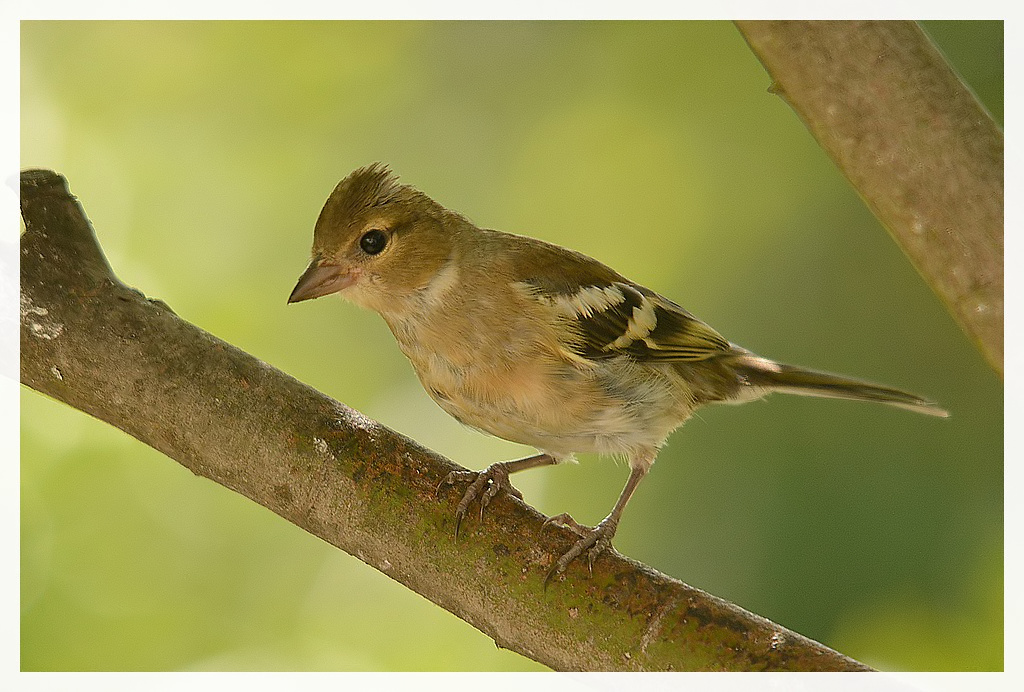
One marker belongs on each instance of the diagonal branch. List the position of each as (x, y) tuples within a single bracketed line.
[(104, 348), (913, 140)]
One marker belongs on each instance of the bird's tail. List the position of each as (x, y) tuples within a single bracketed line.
[(763, 373)]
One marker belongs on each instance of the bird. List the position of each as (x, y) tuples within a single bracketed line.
[(536, 343)]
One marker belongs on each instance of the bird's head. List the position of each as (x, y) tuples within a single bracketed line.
[(376, 241)]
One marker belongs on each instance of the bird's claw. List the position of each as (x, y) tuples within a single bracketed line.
[(568, 522), (593, 541), (486, 484)]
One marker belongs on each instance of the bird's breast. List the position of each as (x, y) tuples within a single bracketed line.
[(524, 390)]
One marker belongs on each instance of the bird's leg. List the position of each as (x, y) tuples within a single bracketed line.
[(598, 538), (489, 482)]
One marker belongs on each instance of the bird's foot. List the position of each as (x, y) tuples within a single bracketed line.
[(485, 484), (592, 540)]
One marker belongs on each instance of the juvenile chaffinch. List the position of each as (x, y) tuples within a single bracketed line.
[(535, 343)]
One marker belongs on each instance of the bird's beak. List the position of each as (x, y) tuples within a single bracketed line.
[(321, 279)]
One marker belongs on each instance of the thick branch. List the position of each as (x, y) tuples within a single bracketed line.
[(102, 347), (913, 140)]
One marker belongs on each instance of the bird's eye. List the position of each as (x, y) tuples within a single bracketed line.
[(373, 242)]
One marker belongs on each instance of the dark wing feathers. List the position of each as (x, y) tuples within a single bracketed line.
[(602, 328), (622, 318), (681, 336), (612, 315), (648, 328)]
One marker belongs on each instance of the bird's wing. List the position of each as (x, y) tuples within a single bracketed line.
[(611, 315), (623, 318)]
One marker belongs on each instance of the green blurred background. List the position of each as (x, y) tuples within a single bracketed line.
[(203, 152)]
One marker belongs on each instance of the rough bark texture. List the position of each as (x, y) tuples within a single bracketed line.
[(915, 143), (102, 347)]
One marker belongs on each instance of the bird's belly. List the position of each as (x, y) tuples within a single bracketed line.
[(554, 407)]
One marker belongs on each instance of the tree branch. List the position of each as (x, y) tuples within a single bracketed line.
[(913, 140), (104, 348)]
